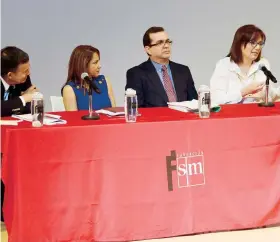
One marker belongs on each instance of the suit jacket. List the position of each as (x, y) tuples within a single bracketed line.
[(14, 104), (149, 88)]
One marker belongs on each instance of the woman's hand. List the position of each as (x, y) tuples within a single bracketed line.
[(252, 88)]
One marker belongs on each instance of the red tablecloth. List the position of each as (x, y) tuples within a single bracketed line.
[(169, 174)]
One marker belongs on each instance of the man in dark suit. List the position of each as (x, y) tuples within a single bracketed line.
[(16, 87), (159, 80)]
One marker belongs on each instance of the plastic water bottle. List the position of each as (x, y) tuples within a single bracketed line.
[(130, 105), (37, 109), (204, 101)]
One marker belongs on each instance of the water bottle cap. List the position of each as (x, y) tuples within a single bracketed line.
[(37, 95), (130, 91)]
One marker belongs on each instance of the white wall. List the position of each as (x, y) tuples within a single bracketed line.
[(202, 31)]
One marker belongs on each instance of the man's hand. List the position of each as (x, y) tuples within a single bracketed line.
[(27, 95)]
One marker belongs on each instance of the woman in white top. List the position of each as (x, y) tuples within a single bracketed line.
[(237, 78)]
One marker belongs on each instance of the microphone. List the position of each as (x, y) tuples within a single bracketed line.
[(92, 115), (267, 73), (91, 83)]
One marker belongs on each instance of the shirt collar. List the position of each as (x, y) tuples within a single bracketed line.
[(5, 84), (159, 66), (235, 68)]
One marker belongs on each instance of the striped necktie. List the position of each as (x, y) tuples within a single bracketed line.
[(168, 85)]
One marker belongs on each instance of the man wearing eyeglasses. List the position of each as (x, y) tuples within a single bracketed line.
[(159, 80)]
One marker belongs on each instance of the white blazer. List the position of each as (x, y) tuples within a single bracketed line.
[(227, 81)]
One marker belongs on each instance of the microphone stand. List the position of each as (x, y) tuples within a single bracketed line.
[(92, 115), (266, 103)]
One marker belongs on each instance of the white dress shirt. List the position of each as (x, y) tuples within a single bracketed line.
[(227, 82), (6, 86)]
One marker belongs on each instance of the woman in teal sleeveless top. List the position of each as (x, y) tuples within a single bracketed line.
[(85, 58)]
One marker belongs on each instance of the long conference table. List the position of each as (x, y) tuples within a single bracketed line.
[(169, 174)]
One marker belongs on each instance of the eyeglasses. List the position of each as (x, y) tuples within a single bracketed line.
[(254, 44), (162, 43)]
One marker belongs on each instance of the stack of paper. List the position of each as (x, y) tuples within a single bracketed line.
[(187, 106), (112, 111), (10, 122), (49, 119)]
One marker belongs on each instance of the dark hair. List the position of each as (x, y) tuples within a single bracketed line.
[(243, 36), (79, 61), (11, 58), (152, 30)]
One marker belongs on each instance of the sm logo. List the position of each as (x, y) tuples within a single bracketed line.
[(186, 169)]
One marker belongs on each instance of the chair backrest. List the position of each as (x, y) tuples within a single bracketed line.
[(57, 104)]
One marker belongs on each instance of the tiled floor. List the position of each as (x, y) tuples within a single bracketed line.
[(271, 234), (4, 237), (257, 235)]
